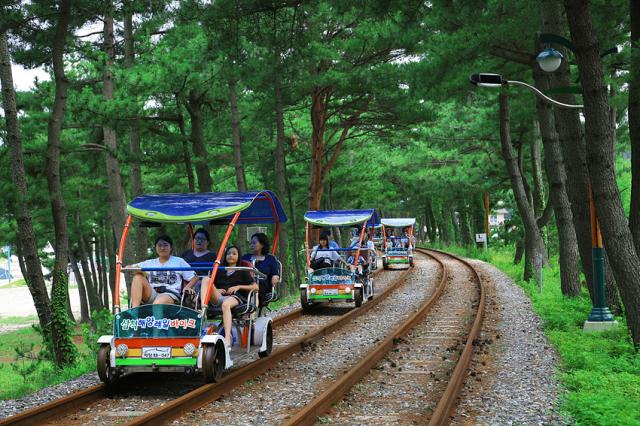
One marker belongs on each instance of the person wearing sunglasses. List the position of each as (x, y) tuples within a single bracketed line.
[(165, 286), (201, 253)]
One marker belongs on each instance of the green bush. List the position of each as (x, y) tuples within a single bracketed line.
[(601, 370)]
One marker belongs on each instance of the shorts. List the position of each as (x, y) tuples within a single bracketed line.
[(154, 296), (222, 298)]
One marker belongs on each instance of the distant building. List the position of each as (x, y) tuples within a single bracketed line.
[(500, 216)]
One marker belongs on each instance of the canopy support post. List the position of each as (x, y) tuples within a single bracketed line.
[(123, 242)]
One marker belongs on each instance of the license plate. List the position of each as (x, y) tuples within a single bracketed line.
[(156, 352), (330, 291)]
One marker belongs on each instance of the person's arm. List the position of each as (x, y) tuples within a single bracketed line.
[(253, 286), (189, 288)]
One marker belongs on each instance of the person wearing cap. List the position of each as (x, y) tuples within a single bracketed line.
[(164, 286)]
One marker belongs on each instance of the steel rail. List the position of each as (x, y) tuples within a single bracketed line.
[(213, 391), (84, 397), (441, 415), (334, 393), (444, 409)]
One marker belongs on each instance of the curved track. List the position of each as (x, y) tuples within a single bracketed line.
[(356, 411), (301, 331)]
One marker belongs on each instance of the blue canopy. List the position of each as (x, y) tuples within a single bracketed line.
[(256, 207), (399, 222), (341, 217)]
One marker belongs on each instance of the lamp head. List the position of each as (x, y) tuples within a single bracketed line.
[(549, 59), (487, 80)]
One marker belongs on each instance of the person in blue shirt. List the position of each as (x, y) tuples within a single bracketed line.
[(265, 263)]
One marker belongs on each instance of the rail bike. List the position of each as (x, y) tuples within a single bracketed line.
[(334, 273), (178, 337), (398, 241)]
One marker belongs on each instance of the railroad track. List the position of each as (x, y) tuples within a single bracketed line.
[(385, 403), (208, 392)]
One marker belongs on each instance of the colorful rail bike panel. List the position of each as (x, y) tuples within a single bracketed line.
[(331, 283), (397, 255), (157, 321)]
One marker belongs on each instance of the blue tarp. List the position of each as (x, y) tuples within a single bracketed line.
[(255, 206)]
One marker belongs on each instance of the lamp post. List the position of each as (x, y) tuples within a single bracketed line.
[(600, 317)]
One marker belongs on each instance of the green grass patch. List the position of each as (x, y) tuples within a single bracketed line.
[(14, 385), (601, 371)]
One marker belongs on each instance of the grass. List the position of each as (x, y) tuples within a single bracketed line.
[(600, 371), (13, 385), (18, 320)]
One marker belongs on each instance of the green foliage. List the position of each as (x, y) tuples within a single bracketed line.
[(601, 371), (102, 324), (27, 360)]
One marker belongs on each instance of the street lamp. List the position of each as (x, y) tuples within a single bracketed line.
[(600, 317), (496, 80), (549, 60)]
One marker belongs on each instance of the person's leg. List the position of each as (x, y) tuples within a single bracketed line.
[(164, 299), (227, 305), (140, 289), (215, 294)]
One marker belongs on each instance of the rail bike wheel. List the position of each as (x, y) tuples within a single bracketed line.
[(104, 367), (411, 261), (306, 307), (371, 289), (213, 362), (266, 352), (358, 296), (385, 265)]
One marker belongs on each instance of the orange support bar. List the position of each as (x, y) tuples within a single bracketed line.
[(193, 242), (216, 264), (384, 237), (355, 262), (123, 242)]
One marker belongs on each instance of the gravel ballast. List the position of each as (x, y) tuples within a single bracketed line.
[(511, 381)]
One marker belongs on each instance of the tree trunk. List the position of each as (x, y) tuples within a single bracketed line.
[(26, 240), (91, 288), (64, 349), (103, 267), (137, 188), (194, 107), (110, 251), (280, 159), (84, 309), (568, 245), (432, 220), (90, 252), (464, 225), (534, 245), (296, 242), (456, 227), (634, 121), (570, 134), (536, 171), (445, 234), (186, 155), (616, 234), (116, 192), (241, 179)]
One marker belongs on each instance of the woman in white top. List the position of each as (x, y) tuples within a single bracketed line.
[(161, 287), (324, 259)]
